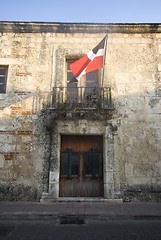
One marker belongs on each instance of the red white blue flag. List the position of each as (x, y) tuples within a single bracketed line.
[(90, 62)]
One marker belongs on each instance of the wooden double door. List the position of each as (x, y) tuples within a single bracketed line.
[(81, 166)]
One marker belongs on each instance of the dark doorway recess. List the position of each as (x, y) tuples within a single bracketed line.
[(81, 166)]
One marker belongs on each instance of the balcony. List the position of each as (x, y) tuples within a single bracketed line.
[(80, 101), (83, 97)]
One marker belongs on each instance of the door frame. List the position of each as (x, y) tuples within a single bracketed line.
[(111, 179)]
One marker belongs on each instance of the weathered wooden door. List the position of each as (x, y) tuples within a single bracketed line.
[(81, 166)]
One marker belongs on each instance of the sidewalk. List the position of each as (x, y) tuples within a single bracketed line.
[(32, 210)]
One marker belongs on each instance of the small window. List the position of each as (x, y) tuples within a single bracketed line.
[(69, 71), (3, 78), (87, 85), (88, 80)]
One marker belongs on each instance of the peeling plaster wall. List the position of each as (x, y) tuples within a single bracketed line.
[(36, 59)]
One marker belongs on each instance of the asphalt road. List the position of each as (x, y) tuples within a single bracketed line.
[(80, 228)]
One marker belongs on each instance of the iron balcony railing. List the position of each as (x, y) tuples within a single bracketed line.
[(74, 97), (85, 97)]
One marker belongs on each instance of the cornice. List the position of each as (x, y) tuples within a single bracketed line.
[(49, 27)]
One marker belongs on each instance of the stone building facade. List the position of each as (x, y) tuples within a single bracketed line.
[(43, 140)]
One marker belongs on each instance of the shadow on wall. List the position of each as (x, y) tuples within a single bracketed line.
[(20, 101)]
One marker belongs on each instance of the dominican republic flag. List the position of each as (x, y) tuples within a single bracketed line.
[(90, 62)]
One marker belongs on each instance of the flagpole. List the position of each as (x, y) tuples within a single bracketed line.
[(104, 59)]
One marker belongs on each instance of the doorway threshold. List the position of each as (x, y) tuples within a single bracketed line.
[(81, 199), (87, 199)]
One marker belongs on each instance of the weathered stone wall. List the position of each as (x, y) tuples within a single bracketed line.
[(36, 60), (133, 69)]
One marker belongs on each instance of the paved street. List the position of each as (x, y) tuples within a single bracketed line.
[(90, 230), (80, 221)]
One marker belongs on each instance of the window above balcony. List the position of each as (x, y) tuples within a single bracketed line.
[(82, 90), (83, 99), (90, 79)]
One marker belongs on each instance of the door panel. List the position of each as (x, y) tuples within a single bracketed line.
[(69, 164), (81, 171), (81, 143), (93, 164), (75, 188)]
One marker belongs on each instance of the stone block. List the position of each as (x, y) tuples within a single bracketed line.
[(159, 67), (159, 48), (1, 161), (5, 138), (108, 177), (129, 169), (54, 190), (8, 163), (108, 190), (26, 138), (137, 181), (54, 177)]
